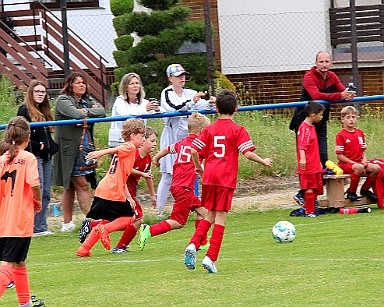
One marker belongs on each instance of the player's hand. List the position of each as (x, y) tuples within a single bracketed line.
[(303, 163), (37, 205), (94, 155), (199, 171), (268, 162), (199, 95), (131, 202), (156, 162), (154, 202), (147, 175)]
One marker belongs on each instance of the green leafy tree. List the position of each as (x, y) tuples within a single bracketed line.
[(165, 37)]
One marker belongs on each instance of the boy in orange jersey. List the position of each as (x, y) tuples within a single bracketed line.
[(350, 151), (182, 186), (113, 201), (19, 200), (221, 143)]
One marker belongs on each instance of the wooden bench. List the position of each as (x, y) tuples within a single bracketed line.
[(334, 185)]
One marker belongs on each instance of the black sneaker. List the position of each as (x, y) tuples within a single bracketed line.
[(370, 195), (299, 198), (352, 196), (37, 302)]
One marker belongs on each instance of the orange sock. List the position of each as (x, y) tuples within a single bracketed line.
[(91, 240), (20, 278), (5, 277), (119, 224)]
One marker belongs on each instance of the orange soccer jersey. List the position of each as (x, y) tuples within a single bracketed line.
[(112, 186), (16, 197)]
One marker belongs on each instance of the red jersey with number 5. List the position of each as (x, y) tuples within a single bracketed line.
[(183, 169), (222, 141)]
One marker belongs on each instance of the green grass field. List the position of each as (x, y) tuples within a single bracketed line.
[(335, 260)]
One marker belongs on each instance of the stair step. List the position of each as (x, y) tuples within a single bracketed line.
[(26, 22)]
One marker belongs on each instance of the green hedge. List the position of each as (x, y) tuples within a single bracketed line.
[(120, 7), (124, 42), (158, 4)]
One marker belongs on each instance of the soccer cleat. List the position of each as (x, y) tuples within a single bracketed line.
[(11, 285), (144, 235), (204, 247), (352, 196), (311, 215), (68, 227), (120, 250), (190, 257), (84, 230), (82, 252), (102, 232), (209, 265), (299, 198), (370, 195), (36, 301)]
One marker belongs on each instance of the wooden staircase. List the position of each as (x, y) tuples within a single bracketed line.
[(39, 54)]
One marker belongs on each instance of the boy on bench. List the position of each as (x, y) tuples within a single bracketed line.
[(350, 151)]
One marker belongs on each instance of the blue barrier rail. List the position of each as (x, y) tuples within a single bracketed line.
[(171, 114)]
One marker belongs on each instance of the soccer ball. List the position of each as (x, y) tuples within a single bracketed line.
[(283, 231)]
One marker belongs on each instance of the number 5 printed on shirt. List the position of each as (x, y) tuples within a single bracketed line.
[(221, 147)]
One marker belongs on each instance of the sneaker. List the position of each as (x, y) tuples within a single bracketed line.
[(104, 236), (144, 235), (84, 230), (313, 214), (42, 233), (209, 265), (11, 285), (36, 301), (352, 196), (82, 252), (299, 198), (119, 250), (68, 227), (317, 203), (370, 195), (204, 247), (190, 257)]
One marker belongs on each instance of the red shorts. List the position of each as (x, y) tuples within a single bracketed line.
[(312, 181), (347, 167), (215, 198), (138, 210), (185, 202)]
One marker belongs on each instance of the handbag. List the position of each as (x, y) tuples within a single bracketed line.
[(114, 137), (84, 150)]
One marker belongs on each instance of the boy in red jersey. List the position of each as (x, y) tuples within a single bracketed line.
[(221, 143), (112, 200), (182, 186), (350, 150), (19, 200), (141, 168), (308, 157)]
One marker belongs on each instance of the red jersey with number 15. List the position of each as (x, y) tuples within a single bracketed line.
[(183, 169), (222, 141)]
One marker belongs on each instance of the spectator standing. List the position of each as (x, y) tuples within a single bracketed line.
[(73, 103), (37, 109)]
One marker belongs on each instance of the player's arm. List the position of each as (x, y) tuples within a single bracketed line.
[(303, 160), (159, 155), (129, 198), (250, 155), (94, 155), (344, 159), (151, 189), (36, 198), (195, 159)]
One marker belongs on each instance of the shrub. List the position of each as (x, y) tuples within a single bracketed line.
[(120, 7), (124, 42)]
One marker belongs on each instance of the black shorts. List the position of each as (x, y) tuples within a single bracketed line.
[(14, 249), (109, 209)]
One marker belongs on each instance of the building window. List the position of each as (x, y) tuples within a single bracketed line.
[(52, 4)]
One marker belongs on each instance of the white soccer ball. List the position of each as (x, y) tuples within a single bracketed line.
[(283, 231)]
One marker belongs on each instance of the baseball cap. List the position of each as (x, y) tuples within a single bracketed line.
[(176, 70)]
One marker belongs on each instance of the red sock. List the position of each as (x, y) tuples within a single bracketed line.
[(119, 224), (354, 183), (197, 223), (5, 277), (127, 236), (369, 182), (20, 278), (215, 242), (91, 240), (94, 223), (200, 233), (160, 228), (309, 205)]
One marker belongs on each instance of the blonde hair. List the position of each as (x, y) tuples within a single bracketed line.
[(348, 110), (132, 125), (124, 85), (196, 122)]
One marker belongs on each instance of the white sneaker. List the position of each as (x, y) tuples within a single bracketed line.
[(190, 256), (42, 233), (209, 265), (68, 227)]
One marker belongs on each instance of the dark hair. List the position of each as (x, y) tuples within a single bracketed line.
[(226, 102), (16, 133), (313, 107), (68, 89)]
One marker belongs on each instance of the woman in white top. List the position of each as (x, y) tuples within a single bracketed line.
[(175, 98), (131, 101)]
